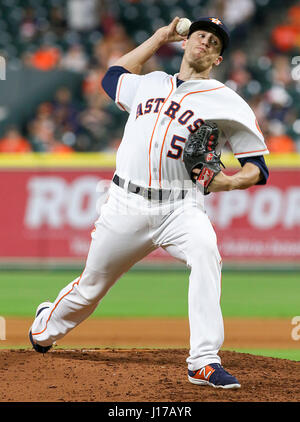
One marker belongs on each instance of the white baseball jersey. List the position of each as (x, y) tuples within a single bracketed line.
[(161, 116)]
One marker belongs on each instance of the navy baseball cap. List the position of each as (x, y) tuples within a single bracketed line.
[(214, 25)]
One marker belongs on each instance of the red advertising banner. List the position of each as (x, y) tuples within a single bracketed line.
[(49, 214), (261, 223)]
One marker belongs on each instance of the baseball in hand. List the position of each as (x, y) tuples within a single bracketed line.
[(183, 26)]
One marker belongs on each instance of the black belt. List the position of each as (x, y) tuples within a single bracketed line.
[(149, 193)]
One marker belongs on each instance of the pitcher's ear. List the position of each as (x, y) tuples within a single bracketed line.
[(183, 45), (218, 61)]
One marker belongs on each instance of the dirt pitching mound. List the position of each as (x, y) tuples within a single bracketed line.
[(138, 375)]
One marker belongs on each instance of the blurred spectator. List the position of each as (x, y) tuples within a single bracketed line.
[(279, 103), (239, 75), (65, 111), (286, 36), (281, 72), (115, 44), (29, 24), (97, 122), (294, 15), (45, 58), (42, 131), (75, 59), (236, 14), (83, 15), (260, 107), (238, 59), (13, 141), (92, 89), (57, 21), (43, 138), (278, 141), (281, 144)]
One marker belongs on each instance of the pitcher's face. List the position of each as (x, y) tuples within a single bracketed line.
[(202, 50)]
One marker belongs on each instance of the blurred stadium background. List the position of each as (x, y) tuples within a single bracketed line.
[(74, 41), (59, 133)]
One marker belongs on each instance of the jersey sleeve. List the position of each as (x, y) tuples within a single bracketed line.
[(242, 130), (246, 140), (121, 86), (127, 87), (110, 80)]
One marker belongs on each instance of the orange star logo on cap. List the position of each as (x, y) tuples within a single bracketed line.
[(216, 20)]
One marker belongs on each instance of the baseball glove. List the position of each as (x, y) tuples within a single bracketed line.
[(200, 152)]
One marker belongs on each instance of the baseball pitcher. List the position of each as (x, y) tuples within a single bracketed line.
[(168, 160)]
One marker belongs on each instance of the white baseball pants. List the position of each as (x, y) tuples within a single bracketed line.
[(128, 229)]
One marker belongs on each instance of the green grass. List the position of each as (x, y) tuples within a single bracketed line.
[(157, 293), (261, 294), (136, 294), (291, 354)]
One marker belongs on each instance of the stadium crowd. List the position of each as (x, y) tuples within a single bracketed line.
[(87, 36)]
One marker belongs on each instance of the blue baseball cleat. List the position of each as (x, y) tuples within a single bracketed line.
[(213, 375)]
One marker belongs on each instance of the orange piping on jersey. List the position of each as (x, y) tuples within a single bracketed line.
[(258, 127), (250, 152), (205, 90), (74, 284), (154, 131), (161, 151), (118, 94), (162, 147)]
